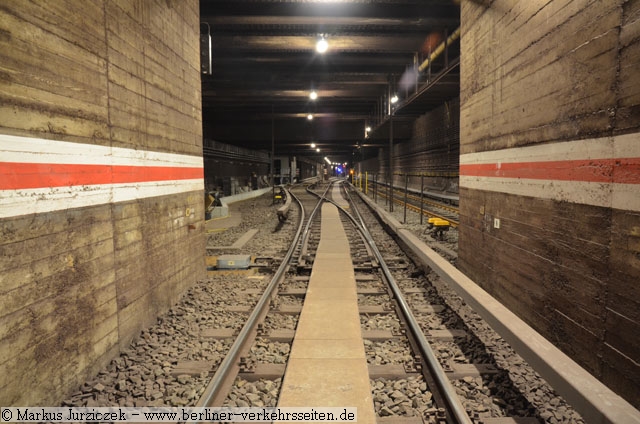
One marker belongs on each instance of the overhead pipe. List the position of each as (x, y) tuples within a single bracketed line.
[(438, 51)]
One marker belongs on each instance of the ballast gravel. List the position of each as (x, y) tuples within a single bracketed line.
[(144, 374)]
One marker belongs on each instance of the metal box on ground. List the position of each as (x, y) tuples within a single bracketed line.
[(233, 262)]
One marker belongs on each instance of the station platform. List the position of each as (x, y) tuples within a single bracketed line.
[(327, 365), (233, 218)]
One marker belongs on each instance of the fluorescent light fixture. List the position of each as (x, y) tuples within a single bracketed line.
[(394, 99), (322, 45), (327, 160), (310, 117), (313, 95)]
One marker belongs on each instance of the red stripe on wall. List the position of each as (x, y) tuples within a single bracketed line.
[(15, 176), (623, 171)]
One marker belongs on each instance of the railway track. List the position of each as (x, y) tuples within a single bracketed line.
[(428, 208), (238, 362), (419, 319), (428, 362)]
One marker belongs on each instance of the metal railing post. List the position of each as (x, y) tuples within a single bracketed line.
[(421, 196), (406, 185)]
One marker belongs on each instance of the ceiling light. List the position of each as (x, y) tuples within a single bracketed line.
[(318, 150), (313, 145), (327, 159), (310, 117), (394, 99), (322, 46), (368, 129), (313, 95)]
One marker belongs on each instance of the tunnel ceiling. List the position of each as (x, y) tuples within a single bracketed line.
[(264, 66)]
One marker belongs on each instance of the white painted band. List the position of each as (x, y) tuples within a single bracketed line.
[(608, 195), (40, 200), (41, 150), (621, 146), (23, 201)]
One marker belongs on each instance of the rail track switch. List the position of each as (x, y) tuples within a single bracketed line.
[(233, 262)]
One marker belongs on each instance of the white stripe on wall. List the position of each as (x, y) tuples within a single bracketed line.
[(41, 150), (622, 146), (48, 199), (41, 200)]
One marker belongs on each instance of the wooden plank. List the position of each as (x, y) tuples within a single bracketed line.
[(510, 420), (445, 335), (399, 420), (378, 335), (470, 370), (192, 368), (239, 244), (371, 291), (218, 333), (366, 277), (289, 309), (264, 371), (293, 292), (429, 309), (389, 371), (373, 309), (282, 335)]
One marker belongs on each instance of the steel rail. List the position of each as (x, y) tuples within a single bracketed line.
[(454, 223), (232, 357), (454, 405), (305, 233), (432, 203)]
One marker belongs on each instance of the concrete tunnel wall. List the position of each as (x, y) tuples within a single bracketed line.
[(101, 183), (550, 147)]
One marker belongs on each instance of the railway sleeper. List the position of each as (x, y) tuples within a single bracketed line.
[(304, 269), (293, 292), (376, 309), (441, 335), (373, 309), (400, 420), (382, 335), (504, 420), (283, 335), (282, 309), (192, 368), (368, 267), (303, 278), (288, 309), (371, 291), (218, 333), (366, 277), (255, 371), (453, 372)]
